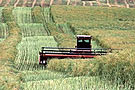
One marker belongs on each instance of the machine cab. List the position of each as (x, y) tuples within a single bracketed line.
[(84, 41)]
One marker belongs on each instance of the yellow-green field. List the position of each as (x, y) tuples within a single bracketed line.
[(23, 31)]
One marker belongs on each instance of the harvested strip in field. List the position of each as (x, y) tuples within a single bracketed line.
[(28, 51), (47, 14), (38, 75), (32, 29), (71, 83), (3, 30), (23, 14), (1, 14)]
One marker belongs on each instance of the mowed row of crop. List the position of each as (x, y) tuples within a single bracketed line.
[(3, 30), (95, 17), (28, 55), (47, 15), (1, 8), (34, 37), (72, 83), (23, 14), (39, 75), (32, 29)]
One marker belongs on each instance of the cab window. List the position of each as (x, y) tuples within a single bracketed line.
[(80, 40), (86, 41)]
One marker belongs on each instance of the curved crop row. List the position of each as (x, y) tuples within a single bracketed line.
[(72, 83), (28, 51), (1, 8), (3, 30), (32, 29), (22, 15), (9, 78)]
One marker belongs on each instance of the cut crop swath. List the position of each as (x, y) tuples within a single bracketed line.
[(23, 15), (28, 51), (32, 29), (38, 75), (71, 83), (47, 14), (1, 13), (3, 30)]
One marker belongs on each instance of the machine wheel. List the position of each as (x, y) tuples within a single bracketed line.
[(44, 62)]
